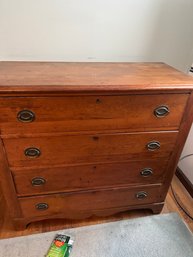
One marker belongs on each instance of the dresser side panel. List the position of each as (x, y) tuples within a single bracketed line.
[(7, 186), (180, 142)]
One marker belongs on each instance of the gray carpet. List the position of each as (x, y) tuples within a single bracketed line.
[(154, 236)]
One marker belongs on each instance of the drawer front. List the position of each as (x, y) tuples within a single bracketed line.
[(74, 178), (76, 203), (70, 149), (91, 113)]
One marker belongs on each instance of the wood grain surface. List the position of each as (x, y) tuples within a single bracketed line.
[(90, 113), (79, 205), (7, 228), (70, 149), (93, 176), (22, 77), (97, 116)]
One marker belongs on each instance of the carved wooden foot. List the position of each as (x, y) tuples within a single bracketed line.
[(20, 224)]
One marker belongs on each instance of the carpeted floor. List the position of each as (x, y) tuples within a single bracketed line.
[(154, 236)]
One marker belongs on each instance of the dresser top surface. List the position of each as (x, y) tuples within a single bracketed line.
[(61, 76)]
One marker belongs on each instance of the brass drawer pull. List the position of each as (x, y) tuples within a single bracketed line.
[(38, 181), (146, 172), (42, 206), (141, 195), (32, 152), (26, 116), (153, 145), (161, 111)]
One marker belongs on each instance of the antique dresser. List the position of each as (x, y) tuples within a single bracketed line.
[(83, 139)]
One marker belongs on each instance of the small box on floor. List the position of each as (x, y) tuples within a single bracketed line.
[(61, 246)]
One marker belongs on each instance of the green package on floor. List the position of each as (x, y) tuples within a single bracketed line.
[(61, 246)]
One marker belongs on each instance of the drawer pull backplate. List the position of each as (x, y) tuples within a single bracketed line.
[(161, 111), (32, 152), (153, 145), (26, 116), (146, 172), (42, 206), (141, 195), (38, 181)]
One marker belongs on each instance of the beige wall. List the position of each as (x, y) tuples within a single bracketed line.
[(102, 30)]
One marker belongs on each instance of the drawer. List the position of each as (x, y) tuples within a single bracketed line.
[(71, 205), (70, 149), (74, 178), (91, 113)]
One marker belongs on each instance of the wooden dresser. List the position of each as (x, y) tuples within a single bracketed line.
[(83, 139)]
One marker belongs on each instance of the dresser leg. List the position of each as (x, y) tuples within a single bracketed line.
[(20, 224), (157, 208)]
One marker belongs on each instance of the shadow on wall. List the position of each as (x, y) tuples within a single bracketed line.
[(186, 162), (174, 38)]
